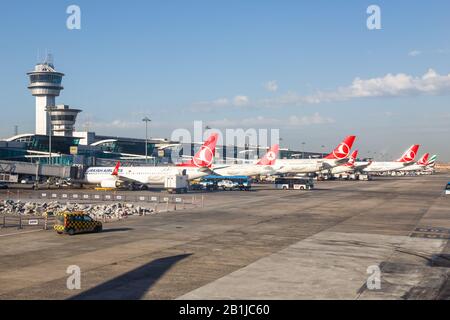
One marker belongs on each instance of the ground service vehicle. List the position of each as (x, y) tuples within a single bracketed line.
[(76, 222), (227, 185), (176, 184), (237, 182), (447, 189), (294, 183)]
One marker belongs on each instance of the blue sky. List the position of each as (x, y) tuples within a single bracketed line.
[(265, 64)]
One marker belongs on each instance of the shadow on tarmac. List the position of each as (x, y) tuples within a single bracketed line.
[(134, 284)]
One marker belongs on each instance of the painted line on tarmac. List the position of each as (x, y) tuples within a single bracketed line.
[(14, 234)]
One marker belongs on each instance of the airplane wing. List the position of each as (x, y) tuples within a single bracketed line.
[(121, 179), (359, 167)]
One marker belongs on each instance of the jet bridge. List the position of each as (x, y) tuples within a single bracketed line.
[(35, 169)]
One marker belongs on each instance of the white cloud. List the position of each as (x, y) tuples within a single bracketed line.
[(209, 106), (443, 51), (414, 53), (271, 86), (316, 118), (240, 101), (261, 121), (391, 85)]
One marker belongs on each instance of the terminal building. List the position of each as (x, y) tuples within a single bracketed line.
[(56, 140)]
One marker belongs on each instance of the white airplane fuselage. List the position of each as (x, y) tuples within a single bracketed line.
[(377, 166), (339, 170), (413, 167), (305, 165), (144, 175), (243, 170)]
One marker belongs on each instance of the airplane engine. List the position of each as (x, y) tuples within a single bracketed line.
[(110, 184)]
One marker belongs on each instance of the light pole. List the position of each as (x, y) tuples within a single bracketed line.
[(303, 150), (146, 120)]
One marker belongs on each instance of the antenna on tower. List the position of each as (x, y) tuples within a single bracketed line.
[(49, 59)]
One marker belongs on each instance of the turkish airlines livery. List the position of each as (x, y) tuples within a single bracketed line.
[(337, 157), (406, 160), (419, 165), (347, 167), (262, 167), (198, 166)]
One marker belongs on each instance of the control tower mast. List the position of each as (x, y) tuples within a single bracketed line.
[(45, 85)]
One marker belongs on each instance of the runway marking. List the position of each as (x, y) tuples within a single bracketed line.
[(14, 234)]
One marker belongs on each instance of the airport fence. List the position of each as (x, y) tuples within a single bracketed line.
[(103, 197), (22, 222), (41, 222)]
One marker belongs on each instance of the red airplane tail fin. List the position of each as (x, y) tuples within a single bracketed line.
[(424, 160), (352, 160), (205, 156), (270, 157), (342, 151), (410, 154), (116, 169)]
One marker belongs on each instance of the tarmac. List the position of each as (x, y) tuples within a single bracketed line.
[(262, 244)]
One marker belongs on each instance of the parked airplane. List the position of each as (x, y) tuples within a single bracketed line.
[(347, 167), (110, 177), (418, 166), (337, 157), (432, 162), (407, 159), (262, 167)]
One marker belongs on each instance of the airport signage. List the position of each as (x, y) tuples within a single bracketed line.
[(74, 150), (33, 222)]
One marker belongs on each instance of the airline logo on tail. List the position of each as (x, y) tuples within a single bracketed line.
[(270, 157), (432, 161), (205, 156), (342, 151), (352, 160), (116, 169), (409, 155), (424, 160)]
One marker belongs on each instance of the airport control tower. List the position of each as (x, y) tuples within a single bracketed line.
[(45, 85)]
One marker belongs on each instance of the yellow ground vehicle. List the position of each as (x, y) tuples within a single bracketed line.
[(76, 222)]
